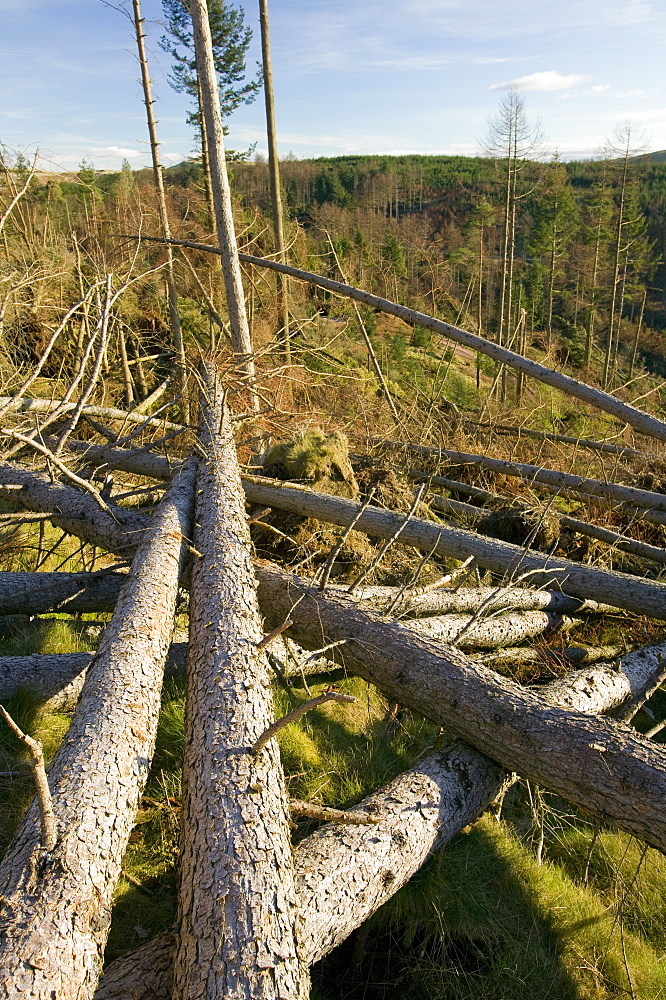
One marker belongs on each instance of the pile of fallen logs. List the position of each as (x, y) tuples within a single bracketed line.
[(254, 914)]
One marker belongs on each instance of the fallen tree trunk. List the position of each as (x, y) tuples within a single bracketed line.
[(643, 422), (119, 531), (56, 679), (57, 904), (517, 432), (618, 589), (472, 632), (344, 874), (600, 766), (475, 515), (75, 593), (469, 599), (537, 474), (28, 405), (237, 904)]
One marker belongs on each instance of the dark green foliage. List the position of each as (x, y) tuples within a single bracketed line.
[(231, 40)]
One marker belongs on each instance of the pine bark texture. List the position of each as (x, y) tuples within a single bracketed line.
[(601, 766), (56, 906), (470, 632), (237, 903), (23, 593), (343, 874)]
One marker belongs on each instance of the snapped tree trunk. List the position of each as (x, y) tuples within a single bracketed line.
[(603, 767), (344, 874), (56, 905), (237, 904)]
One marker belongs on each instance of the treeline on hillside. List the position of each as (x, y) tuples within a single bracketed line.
[(562, 258), (582, 261)]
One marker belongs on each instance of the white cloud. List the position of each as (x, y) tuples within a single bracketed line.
[(600, 88), (548, 80), (106, 151)]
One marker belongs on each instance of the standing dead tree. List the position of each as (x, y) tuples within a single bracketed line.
[(236, 924), (57, 905), (274, 168), (158, 178), (212, 118)]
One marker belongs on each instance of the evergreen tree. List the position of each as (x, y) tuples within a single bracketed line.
[(231, 40)]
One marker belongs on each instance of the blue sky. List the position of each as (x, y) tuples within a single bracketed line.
[(350, 76)]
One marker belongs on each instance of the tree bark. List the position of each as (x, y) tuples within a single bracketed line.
[(57, 904), (471, 632), (600, 766), (74, 593), (237, 904), (344, 874)]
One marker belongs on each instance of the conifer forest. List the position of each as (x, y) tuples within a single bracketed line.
[(333, 552)]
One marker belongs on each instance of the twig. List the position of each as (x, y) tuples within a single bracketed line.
[(267, 639), (49, 829), (306, 706), (335, 551), (320, 652), (389, 541), (299, 808), (442, 581)]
